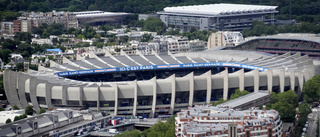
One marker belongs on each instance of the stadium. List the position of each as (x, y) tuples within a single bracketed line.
[(155, 85), (306, 44), (100, 17)]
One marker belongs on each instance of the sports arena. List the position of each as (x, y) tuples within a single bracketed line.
[(306, 44), (155, 84)]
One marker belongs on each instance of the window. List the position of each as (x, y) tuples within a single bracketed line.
[(35, 125)]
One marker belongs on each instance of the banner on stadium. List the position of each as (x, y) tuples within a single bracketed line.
[(155, 67)]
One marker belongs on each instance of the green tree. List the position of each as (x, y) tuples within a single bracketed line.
[(304, 110), (24, 115), (8, 121), (16, 118), (42, 110), (290, 96), (131, 133), (273, 97), (220, 101), (80, 36), (123, 39), (311, 89), (99, 45), (20, 66), (97, 36), (5, 55), (15, 107), (239, 93), (286, 111), (154, 25), (146, 37), (29, 110)]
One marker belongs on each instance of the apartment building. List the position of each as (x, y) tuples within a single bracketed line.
[(205, 120)]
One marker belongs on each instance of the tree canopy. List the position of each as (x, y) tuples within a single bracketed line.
[(29, 110), (285, 103), (311, 89), (160, 129)]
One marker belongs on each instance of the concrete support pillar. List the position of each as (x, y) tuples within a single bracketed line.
[(81, 96), (225, 84), (10, 85), (300, 81), (22, 78), (306, 75), (48, 94), (135, 97), (6, 81), (64, 94), (115, 99), (281, 80), (256, 80), (209, 86), (173, 93), (241, 79), (154, 99), (33, 95), (98, 98), (292, 80), (191, 90), (270, 80)]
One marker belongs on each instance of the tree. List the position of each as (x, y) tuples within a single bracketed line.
[(80, 36), (123, 39), (97, 36), (286, 111), (42, 110), (304, 110), (2, 109), (146, 37), (8, 121), (99, 45), (24, 115), (290, 96), (132, 133), (16, 118), (5, 55), (29, 110), (15, 107), (311, 89), (20, 66), (154, 25), (220, 101), (239, 93)]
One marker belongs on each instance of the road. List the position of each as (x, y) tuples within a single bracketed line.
[(312, 118)]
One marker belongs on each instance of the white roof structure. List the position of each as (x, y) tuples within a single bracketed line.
[(222, 8), (99, 14), (4, 115)]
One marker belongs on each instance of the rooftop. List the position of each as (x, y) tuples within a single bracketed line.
[(222, 8), (245, 99), (204, 118)]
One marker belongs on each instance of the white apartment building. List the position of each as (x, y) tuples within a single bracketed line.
[(225, 38)]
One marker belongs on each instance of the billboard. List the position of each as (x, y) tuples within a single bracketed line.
[(165, 66)]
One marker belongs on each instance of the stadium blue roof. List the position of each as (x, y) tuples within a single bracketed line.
[(55, 50)]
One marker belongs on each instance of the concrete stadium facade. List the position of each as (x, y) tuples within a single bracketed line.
[(156, 96)]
